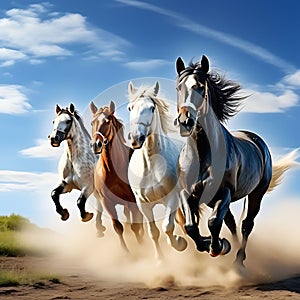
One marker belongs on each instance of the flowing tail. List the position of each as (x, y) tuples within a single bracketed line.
[(281, 166)]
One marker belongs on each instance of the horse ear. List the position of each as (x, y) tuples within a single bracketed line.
[(131, 88), (72, 108), (204, 64), (57, 109), (179, 65), (112, 107), (93, 107), (156, 88)]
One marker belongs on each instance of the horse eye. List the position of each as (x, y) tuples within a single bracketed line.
[(129, 108), (52, 122), (68, 121), (153, 109)]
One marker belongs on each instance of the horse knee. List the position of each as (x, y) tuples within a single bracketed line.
[(168, 226)]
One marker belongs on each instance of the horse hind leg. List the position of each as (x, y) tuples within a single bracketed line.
[(254, 201), (230, 223), (55, 197)]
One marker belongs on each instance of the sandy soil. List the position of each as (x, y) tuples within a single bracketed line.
[(76, 283), (97, 268)]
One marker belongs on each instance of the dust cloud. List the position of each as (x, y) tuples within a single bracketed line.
[(272, 253)]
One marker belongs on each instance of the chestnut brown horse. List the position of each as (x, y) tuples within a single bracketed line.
[(110, 176)]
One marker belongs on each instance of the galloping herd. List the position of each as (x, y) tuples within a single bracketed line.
[(214, 166)]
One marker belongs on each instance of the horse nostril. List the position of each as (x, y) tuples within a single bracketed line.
[(141, 139), (55, 138), (190, 122)]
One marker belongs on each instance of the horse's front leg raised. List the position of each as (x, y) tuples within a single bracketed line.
[(168, 226), (215, 221), (190, 206), (85, 216), (55, 197)]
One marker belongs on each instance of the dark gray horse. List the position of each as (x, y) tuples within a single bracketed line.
[(216, 166)]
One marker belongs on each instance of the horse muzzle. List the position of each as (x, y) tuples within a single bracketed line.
[(138, 141), (56, 140)]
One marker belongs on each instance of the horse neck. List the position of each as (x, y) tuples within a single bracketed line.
[(77, 142), (210, 128), (156, 138), (115, 154)]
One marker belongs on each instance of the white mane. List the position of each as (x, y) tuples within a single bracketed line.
[(166, 119)]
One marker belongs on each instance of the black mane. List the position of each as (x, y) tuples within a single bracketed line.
[(224, 97)]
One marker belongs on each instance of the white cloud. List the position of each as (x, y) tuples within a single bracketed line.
[(36, 33), (13, 100), (43, 149), (199, 29), (293, 79), (265, 102), (146, 65), (11, 181)]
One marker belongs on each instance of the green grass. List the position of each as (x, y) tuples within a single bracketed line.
[(25, 277), (10, 245)]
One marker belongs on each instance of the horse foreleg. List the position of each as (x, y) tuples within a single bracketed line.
[(168, 226), (55, 197), (100, 227), (85, 216), (147, 210), (137, 224), (219, 247), (191, 212)]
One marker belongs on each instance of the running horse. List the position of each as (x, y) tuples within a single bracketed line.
[(76, 165), (216, 166), (111, 171), (152, 169)]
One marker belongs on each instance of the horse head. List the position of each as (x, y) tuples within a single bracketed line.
[(62, 124), (192, 93), (102, 126), (142, 110)]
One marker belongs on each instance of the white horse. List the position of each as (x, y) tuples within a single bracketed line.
[(152, 168), (76, 166)]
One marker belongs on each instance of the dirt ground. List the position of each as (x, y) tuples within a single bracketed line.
[(75, 283)]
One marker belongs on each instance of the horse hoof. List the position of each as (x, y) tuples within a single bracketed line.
[(181, 243), (64, 214), (88, 217), (226, 247)]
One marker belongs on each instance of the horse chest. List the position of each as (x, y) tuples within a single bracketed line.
[(151, 178)]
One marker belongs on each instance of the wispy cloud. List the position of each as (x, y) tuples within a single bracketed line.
[(11, 181), (37, 32), (266, 102), (43, 149), (13, 100), (293, 79), (199, 29), (146, 65)]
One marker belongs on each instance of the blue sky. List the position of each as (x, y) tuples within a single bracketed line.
[(71, 51)]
